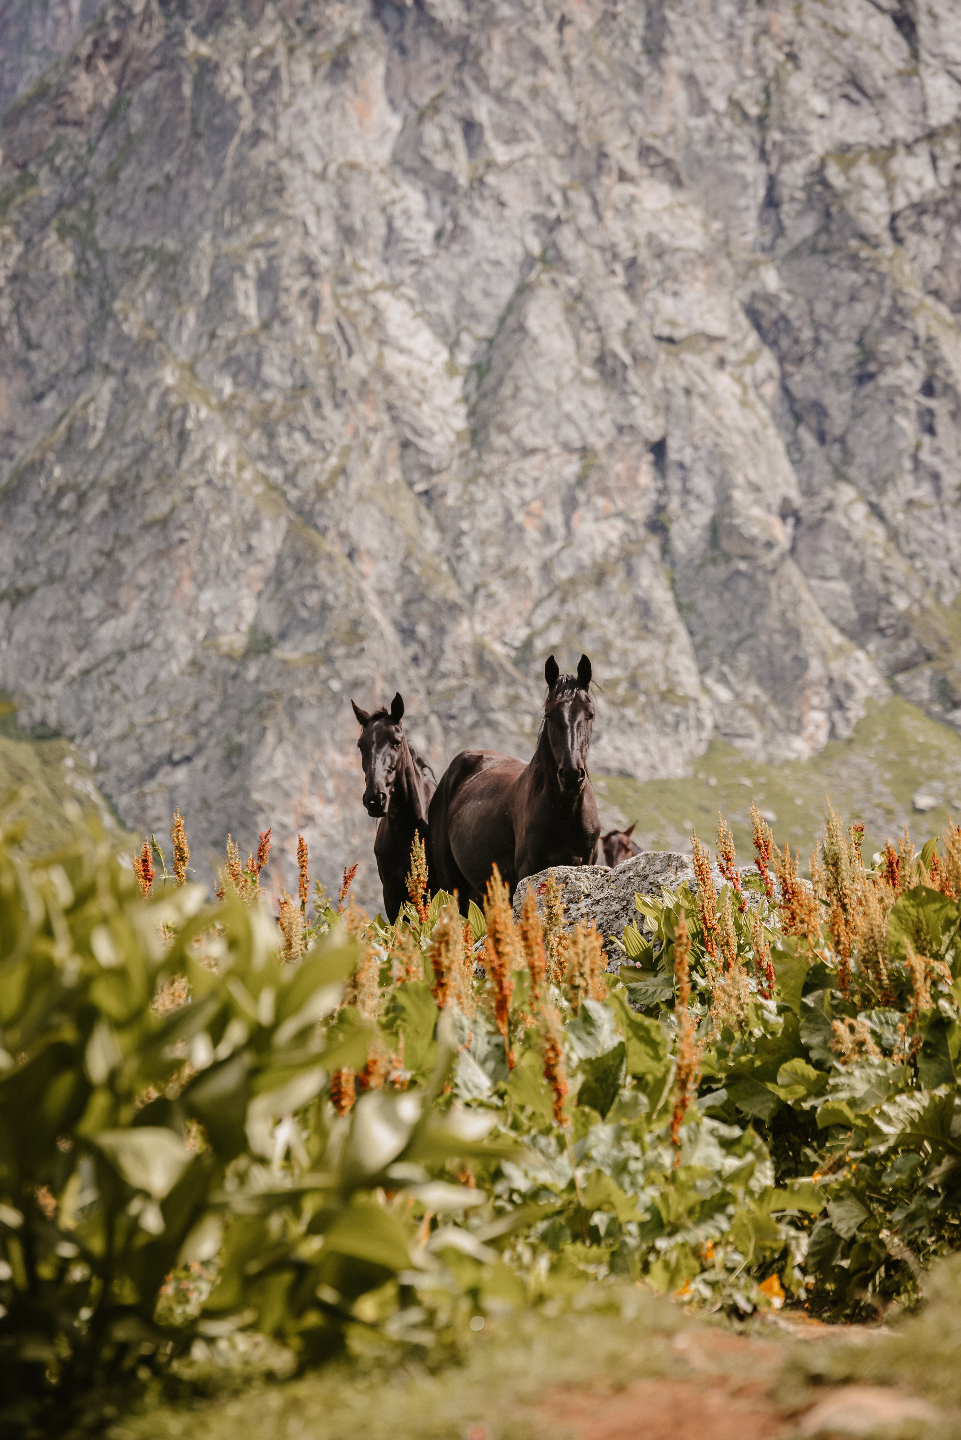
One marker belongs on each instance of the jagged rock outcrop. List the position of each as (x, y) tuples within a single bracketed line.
[(366, 345), (34, 34)]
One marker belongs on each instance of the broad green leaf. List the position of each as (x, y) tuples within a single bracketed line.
[(754, 1099), (790, 973), (602, 1081), (834, 1112), (592, 1031), (601, 1192), (646, 1047), (412, 1012), (151, 1158), (925, 917), (219, 1098), (799, 1074), (438, 1196), (476, 921), (365, 1231), (847, 1213), (382, 1122), (936, 1061), (651, 990), (322, 972), (267, 1108), (528, 1089), (636, 946)]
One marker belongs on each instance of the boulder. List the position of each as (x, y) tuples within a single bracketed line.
[(595, 892)]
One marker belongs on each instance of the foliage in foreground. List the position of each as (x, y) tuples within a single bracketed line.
[(826, 1019), (141, 1130), (352, 1130)]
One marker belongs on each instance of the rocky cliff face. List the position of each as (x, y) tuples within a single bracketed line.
[(355, 346)]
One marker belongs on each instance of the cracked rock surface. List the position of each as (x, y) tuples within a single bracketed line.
[(355, 346)]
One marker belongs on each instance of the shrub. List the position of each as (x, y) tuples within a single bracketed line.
[(138, 1133)]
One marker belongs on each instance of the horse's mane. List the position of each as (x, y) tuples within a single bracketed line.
[(563, 685), (421, 762)]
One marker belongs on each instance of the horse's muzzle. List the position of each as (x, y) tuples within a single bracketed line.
[(376, 804), (572, 781)]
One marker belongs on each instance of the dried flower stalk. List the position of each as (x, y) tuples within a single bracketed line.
[(585, 966), (291, 923), (555, 1067), (532, 948), (263, 850), (763, 838), (408, 963), (363, 987), (797, 905), (178, 835), (417, 879), (706, 896), (344, 891), (377, 1069), (452, 979), (951, 866), (727, 935), (500, 952), (727, 861), (554, 943), (762, 957), (852, 1040), (342, 1090), (143, 868), (303, 877)]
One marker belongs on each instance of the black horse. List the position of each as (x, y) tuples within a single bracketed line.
[(617, 846), (398, 790), (489, 809)]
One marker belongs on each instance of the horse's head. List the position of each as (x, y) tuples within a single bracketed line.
[(381, 746), (617, 846), (568, 720)]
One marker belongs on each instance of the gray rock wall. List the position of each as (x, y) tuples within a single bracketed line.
[(347, 347)]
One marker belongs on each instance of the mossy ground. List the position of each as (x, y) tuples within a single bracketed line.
[(596, 1376), (892, 754)]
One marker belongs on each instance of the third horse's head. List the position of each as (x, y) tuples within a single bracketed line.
[(569, 719), (381, 746)]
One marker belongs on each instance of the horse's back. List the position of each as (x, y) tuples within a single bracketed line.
[(470, 801)]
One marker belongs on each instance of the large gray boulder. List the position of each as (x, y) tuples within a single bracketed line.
[(595, 892)]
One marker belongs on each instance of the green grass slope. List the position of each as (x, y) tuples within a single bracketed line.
[(893, 754), (37, 775)]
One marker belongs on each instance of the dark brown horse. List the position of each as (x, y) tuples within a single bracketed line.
[(398, 791), (617, 845), (489, 809)]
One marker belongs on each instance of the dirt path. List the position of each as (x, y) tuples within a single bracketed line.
[(730, 1393)]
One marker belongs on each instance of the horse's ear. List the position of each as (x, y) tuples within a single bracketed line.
[(630, 829), (551, 672), (583, 673), (397, 708), (362, 715)]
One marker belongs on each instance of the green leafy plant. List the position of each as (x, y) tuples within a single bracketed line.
[(136, 1135)]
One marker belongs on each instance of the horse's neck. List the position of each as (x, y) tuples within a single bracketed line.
[(408, 801), (542, 770)]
